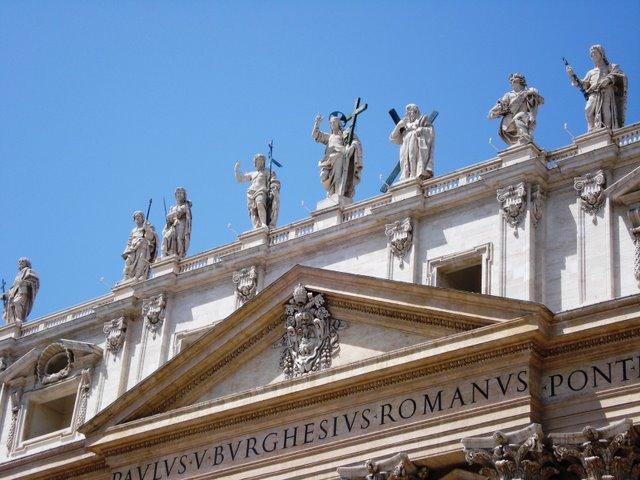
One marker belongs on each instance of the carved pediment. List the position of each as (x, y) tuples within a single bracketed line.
[(626, 190)]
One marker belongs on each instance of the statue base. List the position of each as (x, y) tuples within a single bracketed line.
[(254, 237), (164, 266), (519, 153), (406, 188), (593, 140), (332, 201)]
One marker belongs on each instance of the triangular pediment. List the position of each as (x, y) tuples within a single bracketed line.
[(240, 358)]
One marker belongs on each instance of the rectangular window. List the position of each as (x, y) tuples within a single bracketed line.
[(48, 416), (469, 270)]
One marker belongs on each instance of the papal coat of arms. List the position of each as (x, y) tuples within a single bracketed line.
[(311, 339)]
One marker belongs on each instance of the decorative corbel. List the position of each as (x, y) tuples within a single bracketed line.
[(15, 398), (115, 330), (85, 387), (400, 237), (590, 188), (634, 219), (153, 312), (246, 282), (513, 203), (537, 203)]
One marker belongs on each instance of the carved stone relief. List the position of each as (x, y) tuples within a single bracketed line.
[(400, 236), (3, 363), (608, 453), (115, 330), (537, 203), (590, 188), (398, 467), (16, 403), (54, 363), (516, 455), (513, 203), (246, 282), (634, 218), (311, 339), (153, 311), (85, 387)]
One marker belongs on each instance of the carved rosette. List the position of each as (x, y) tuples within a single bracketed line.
[(246, 282), (513, 202), (608, 453), (115, 330), (517, 455), (590, 188), (537, 203), (634, 218), (16, 404), (54, 363), (153, 312), (311, 337), (398, 467), (85, 386), (400, 236)]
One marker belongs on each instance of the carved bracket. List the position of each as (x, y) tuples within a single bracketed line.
[(634, 218), (85, 387), (311, 337), (16, 404), (513, 203), (590, 188), (153, 312), (115, 330), (398, 467), (400, 236), (246, 282)]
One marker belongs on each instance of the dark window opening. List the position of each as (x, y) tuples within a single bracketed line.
[(468, 279)]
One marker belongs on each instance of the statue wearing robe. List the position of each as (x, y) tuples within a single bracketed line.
[(19, 300), (518, 109), (141, 248), (263, 194), (335, 175), (416, 136), (606, 86), (176, 233)]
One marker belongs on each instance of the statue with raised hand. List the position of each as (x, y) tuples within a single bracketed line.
[(19, 300)]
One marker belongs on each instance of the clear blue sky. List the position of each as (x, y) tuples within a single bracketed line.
[(105, 104)]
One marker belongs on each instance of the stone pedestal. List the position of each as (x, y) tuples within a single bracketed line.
[(405, 189), (165, 266), (254, 238), (593, 140), (123, 290), (519, 153), (334, 200)]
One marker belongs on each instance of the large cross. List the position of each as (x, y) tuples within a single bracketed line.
[(396, 171), (349, 166)]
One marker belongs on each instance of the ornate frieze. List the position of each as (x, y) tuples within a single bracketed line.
[(85, 387), (311, 339), (517, 455), (115, 330), (246, 282), (54, 363), (513, 203), (398, 467), (153, 312), (400, 236), (537, 203), (608, 453), (634, 219), (590, 188)]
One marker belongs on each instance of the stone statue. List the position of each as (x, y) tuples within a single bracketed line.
[(176, 233), (335, 174), (263, 195), (18, 301), (518, 109), (141, 249), (606, 89), (416, 136)]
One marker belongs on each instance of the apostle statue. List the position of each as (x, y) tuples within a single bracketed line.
[(518, 109), (176, 233), (141, 249), (263, 194), (415, 135), (18, 301), (605, 88), (341, 166)]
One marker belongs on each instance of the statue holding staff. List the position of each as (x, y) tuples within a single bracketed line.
[(518, 109), (416, 136), (605, 88), (176, 233), (141, 249), (263, 194), (19, 300)]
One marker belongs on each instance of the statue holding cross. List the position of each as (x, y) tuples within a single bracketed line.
[(341, 166), (415, 135)]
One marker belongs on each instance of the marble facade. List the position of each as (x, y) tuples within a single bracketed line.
[(327, 349)]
